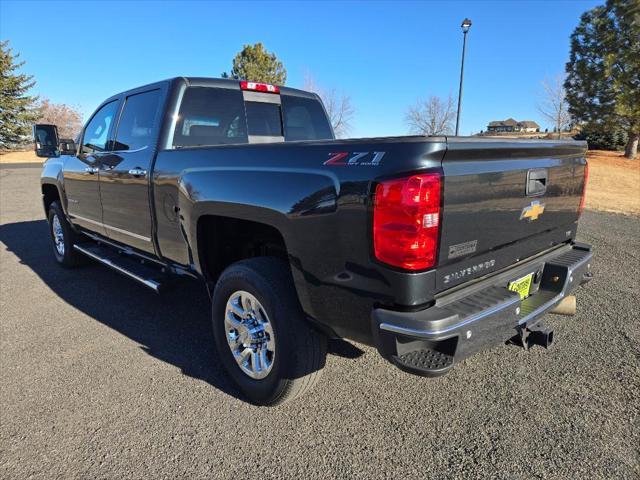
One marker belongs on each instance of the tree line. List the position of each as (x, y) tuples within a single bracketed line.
[(19, 111), (599, 93)]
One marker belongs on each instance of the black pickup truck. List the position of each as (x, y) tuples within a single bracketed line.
[(428, 248)]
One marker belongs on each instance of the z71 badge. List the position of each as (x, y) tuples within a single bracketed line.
[(349, 159)]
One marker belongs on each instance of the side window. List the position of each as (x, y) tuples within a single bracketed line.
[(210, 116), (97, 131), (304, 119), (139, 116)]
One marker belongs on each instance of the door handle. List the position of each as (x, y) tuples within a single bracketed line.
[(537, 179), (137, 172), (91, 170)]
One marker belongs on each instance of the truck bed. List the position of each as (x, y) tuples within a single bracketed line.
[(323, 209)]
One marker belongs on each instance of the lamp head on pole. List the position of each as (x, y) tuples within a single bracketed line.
[(466, 24)]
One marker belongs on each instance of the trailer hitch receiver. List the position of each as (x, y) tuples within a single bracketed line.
[(535, 335)]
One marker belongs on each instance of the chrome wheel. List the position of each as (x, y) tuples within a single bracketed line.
[(58, 234), (249, 334)]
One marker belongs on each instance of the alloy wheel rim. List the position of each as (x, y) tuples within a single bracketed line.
[(249, 334), (58, 234)]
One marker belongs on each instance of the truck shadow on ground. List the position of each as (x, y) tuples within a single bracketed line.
[(173, 327)]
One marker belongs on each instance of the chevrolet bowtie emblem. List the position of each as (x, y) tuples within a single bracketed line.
[(533, 211)]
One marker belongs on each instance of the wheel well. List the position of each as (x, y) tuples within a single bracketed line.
[(49, 195), (223, 241)]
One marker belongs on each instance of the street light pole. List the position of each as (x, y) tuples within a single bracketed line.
[(466, 24)]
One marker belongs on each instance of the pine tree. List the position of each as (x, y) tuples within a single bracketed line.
[(603, 72), (256, 64), (17, 109)]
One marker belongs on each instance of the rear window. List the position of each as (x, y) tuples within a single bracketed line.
[(218, 116), (210, 116), (264, 119), (304, 119)]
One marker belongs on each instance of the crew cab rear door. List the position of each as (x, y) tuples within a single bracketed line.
[(124, 179), (521, 194)]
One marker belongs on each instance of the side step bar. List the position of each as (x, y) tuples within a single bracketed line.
[(130, 268)]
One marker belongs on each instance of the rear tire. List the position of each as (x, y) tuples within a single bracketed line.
[(273, 323), (63, 238)]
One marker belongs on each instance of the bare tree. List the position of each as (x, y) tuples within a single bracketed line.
[(433, 116), (338, 106), (553, 104), (66, 118)]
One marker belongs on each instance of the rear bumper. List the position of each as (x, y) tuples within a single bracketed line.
[(482, 315)]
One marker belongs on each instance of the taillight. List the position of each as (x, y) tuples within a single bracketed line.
[(406, 221), (259, 87), (584, 190)]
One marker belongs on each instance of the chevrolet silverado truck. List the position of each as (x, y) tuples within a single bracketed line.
[(428, 248)]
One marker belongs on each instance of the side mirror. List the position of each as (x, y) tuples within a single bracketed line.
[(46, 140), (67, 147)]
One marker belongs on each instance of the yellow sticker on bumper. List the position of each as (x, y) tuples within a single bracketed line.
[(522, 286)]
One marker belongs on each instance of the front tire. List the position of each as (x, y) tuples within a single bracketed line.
[(264, 341), (63, 238)]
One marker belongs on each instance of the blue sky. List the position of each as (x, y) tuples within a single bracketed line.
[(384, 55)]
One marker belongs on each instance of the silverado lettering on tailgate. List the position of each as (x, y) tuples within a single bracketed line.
[(457, 275)]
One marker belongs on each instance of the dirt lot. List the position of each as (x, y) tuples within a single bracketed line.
[(27, 156), (614, 182)]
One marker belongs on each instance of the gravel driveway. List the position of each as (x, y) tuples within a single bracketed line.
[(100, 378)]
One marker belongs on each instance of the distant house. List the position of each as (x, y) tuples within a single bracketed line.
[(528, 126), (511, 125)]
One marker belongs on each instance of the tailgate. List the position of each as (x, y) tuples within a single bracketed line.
[(516, 196)]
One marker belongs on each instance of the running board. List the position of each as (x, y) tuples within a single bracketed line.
[(146, 275)]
